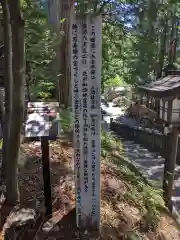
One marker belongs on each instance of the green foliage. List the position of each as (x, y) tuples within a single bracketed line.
[(108, 143), (1, 143), (114, 82), (40, 43), (111, 53), (66, 120), (132, 36), (134, 236), (136, 48)]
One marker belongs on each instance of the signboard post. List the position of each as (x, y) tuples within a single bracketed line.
[(43, 121), (46, 175), (86, 84)]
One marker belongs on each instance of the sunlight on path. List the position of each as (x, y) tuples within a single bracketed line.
[(150, 164)]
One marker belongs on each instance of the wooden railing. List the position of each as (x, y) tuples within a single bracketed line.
[(1, 65), (151, 139)]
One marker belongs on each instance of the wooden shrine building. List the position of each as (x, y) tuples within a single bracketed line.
[(165, 93)]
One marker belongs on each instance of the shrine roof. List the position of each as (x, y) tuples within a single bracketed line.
[(164, 87)]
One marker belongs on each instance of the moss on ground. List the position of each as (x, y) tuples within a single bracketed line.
[(142, 194)]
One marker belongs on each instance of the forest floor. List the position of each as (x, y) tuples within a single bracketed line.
[(130, 207)]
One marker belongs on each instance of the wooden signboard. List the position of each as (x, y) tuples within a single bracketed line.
[(86, 84), (43, 121)]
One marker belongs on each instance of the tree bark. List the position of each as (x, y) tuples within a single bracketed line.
[(162, 50), (176, 40), (18, 62), (8, 81), (172, 36), (1, 109), (28, 80), (64, 55), (62, 59)]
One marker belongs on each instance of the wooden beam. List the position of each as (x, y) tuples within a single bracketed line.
[(163, 110), (170, 98), (165, 98), (169, 113), (147, 103), (169, 168), (164, 94), (158, 106)]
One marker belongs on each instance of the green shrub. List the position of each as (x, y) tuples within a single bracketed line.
[(66, 120)]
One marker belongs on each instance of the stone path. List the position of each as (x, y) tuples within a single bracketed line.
[(151, 165)]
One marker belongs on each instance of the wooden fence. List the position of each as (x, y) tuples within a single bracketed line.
[(153, 141)]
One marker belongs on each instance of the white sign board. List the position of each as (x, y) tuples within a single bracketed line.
[(86, 88), (42, 120)]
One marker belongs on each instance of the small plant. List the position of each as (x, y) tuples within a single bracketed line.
[(108, 142), (134, 236), (1, 143), (66, 120)]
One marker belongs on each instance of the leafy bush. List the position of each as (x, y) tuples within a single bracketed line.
[(66, 120)]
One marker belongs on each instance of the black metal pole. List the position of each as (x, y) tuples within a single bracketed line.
[(46, 175)]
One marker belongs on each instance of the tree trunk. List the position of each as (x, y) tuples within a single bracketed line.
[(8, 81), (55, 28), (172, 38), (67, 93), (64, 78), (176, 40), (62, 59), (1, 109), (28, 81), (18, 61), (162, 50)]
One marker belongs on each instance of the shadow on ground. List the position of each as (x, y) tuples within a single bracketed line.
[(31, 177), (31, 181)]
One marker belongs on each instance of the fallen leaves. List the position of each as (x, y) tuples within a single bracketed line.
[(118, 216)]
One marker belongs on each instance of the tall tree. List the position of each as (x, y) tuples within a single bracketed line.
[(8, 81), (18, 63), (172, 38), (40, 41), (63, 59), (162, 50)]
